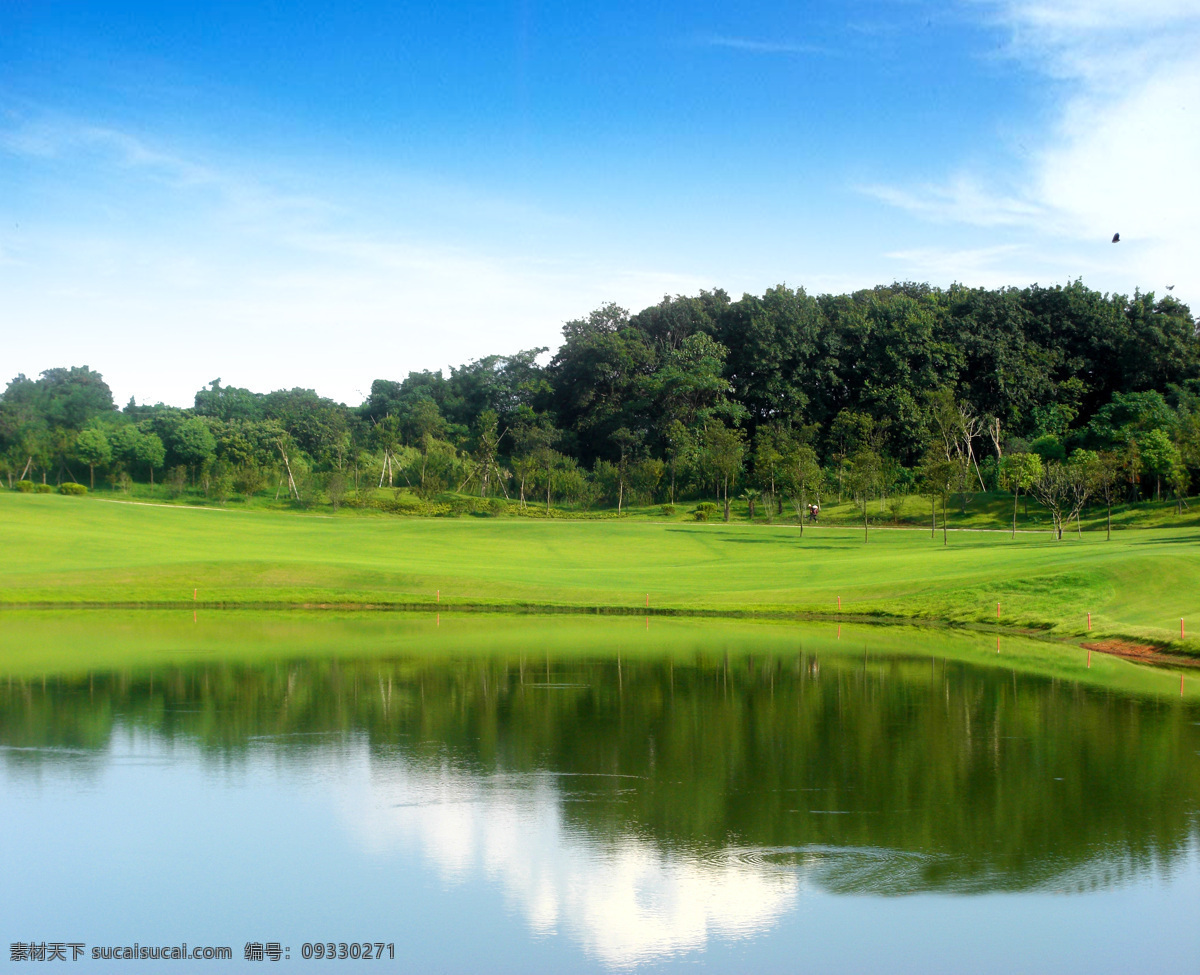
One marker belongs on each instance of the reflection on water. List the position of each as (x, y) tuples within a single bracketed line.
[(621, 896), (646, 807)]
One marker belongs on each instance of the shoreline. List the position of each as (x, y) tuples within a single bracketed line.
[(1135, 649)]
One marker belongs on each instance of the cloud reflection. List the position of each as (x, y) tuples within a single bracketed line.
[(621, 897)]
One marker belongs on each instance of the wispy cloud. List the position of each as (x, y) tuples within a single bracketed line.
[(978, 266), (759, 47), (145, 247), (1119, 154), (962, 199), (56, 137)]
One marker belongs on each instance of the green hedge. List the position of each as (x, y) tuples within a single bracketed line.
[(25, 487), (70, 487)]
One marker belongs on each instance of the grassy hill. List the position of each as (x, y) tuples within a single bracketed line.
[(88, 551)]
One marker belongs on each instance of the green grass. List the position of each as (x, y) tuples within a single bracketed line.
[(86, 551)]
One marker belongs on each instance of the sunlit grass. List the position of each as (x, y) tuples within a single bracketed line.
[(63, 550)]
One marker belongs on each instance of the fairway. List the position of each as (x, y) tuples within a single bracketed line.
[(65, 551)]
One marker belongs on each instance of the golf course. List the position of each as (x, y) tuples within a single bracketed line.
[(84, 552)]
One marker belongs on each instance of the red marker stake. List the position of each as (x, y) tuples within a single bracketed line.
[(997, 610), (647, 600), (439, 595), (1181, 635), (194, 591), (839, 604)]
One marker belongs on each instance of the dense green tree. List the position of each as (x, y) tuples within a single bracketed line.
[(1019, 472), (228, 402), (194, 445), (723, 451), (93, 448), (1160, 457), (864, 470), (801, 477)]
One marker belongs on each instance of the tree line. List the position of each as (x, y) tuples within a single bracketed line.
[(1061, 392)]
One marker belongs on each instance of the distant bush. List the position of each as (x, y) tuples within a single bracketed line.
[(25, 487), (668, 510), (42, 488), (70, 487), (497, 507), (704, 510), (176, 481)]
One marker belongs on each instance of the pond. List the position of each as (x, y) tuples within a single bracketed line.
[(498, 793)]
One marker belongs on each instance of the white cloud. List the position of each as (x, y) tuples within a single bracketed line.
[(1119, 157)]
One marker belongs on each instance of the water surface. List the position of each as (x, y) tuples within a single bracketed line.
[(492, 793)]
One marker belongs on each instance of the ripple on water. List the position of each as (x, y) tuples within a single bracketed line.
[(867, 870)]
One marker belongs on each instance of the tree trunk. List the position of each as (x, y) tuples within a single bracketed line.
[(1108, 526), (945, 535), (92, 473), (1015, 493), (866, 529), (620, 495), (726, 498)]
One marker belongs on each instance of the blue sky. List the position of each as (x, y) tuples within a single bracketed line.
[(319, 195)]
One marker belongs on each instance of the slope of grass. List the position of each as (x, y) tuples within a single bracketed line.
[(60, 550)]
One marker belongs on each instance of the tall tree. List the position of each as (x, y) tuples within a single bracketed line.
[(92, 447), (1019, 472), (724, 448)]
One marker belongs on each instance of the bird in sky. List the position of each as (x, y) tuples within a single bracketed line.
[(1170, 287), (1116, 238)]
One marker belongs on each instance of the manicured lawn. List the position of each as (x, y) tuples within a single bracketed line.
[(89, 551)]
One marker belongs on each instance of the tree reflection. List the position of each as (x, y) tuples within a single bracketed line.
[(887, 775)]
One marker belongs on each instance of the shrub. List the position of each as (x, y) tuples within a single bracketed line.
[(176, 481), (42, 488), (70, 487), (497, 507), (704, 511), (668, 510), (25, 487)]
